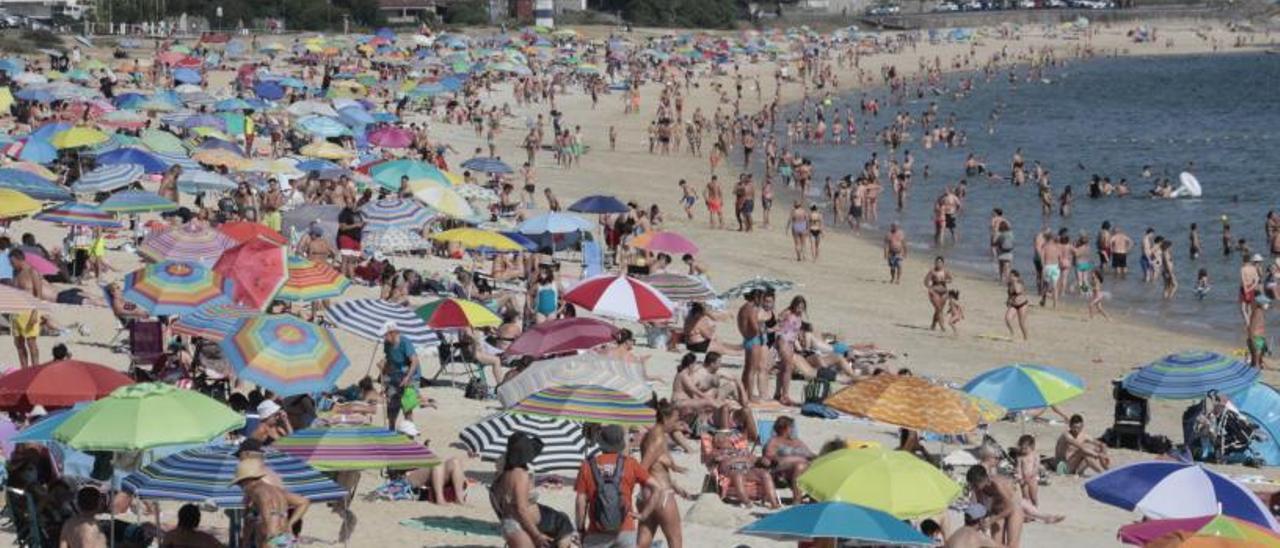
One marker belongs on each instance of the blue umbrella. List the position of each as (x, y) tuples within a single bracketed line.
[(186, 76), (1026, 386), (599, 204), (212, 143), (555, 223), (129, 100), (180, 160), (108, 178), (47, 131), (524, 241), (204, 474), (838, 520), (35, 94), (1190, 375), (232, 104), (79, 214), (291, 82), (323, 126), (270, 91), (1173, 490), (488, 165), (202, 120), (147, 160), (316, 164), (41, 431), (356, 117), (32, 185), (198, 180), (38, 151), (13, 65)]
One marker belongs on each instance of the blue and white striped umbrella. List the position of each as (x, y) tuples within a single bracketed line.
[(322, 126), (365, 317), (180, 160), (137, 201), (199, 180), (204, 474), (555, 223), (488, 165), (108, 178), (32, 185), (394, 213), (1175, 490), (1190, 375)]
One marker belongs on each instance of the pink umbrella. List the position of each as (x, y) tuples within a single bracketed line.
[(665, 242), (41, 265), (621, 297), (1142, 532), (391, 137), (562, 336), (258, 269)]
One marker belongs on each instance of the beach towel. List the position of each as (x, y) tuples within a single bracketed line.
[(456, 525)]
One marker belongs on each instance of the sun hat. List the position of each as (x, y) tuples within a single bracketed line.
[(249, 469), (1256, 258), (267, 408)]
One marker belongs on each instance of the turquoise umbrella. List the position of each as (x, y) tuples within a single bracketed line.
[(1026, 386), (837, 520), (1190, 375)]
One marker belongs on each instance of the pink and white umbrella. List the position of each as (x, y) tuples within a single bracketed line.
[(620, 297), (664, 241)]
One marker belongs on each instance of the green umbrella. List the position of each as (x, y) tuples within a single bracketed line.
[(142, 416), (162, 141)]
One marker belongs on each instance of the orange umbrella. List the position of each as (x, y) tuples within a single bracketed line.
[(257, 268), (909, 402)]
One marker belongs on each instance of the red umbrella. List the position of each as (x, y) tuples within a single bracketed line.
[(258, 269), (562, 336), (59, 384), (621, 297), (170, 57), (243, 231)]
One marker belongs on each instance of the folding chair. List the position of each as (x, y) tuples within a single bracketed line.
[(592, 259), (146, 345), (456, 361)]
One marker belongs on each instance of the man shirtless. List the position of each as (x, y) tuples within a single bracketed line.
[(272, 512), (169, 184), (950, 206), (82, 530), (1051, 254), (1148, 261), (25, 326), (972, 535), (1120, 244), (1005, 517), (1079, 452), (317, 248), (895, 251), (714, 196), (753, 344), (1250, 280)]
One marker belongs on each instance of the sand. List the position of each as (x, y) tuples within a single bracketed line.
[(847, 294)]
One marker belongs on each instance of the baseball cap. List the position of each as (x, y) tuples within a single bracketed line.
[(388, 327), (268, 408), (1256, 258), (408, 428)]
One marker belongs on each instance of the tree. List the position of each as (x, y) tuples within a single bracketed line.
[(470, 12), (682, 13)]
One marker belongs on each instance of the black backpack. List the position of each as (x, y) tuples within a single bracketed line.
[(608, 510)]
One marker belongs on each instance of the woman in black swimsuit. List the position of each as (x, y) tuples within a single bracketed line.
[(1017, 303), (936, 282)]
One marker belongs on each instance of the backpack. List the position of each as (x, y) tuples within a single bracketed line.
[(608, 510), (817, 390)]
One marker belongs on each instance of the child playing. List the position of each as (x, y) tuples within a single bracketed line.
[(1202, 283), (1095, 294), (955, 312), (1028, 476)]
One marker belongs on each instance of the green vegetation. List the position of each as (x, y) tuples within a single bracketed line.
[(469, 13), (676, 13), (297, 14)]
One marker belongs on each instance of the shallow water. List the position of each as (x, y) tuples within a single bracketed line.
[(1110, 117)]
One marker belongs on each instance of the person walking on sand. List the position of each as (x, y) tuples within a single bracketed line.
[(798, 224), (815, 230), (612, 477), (895, 251), (1016, 304), (1051, 254), (936, 283), (25, 326), (714, 197)]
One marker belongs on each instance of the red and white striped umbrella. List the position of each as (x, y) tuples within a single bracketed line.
[(621, 297)]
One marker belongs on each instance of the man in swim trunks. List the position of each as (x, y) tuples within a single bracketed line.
[(895, 250), (271, 511), (1256, 341), (25, 326), (1250, 283), (350, 228), (714, 197), (1148, 254), (753, 344), (1051, 255), (748, 201), (1120, 244), (687, 198)]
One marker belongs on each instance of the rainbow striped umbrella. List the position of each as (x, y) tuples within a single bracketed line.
[(586, 403), (456, 314), (137, 201), (78, 214), (1026, 386), (190, 242), (1190, 375), (285, 354), (173, 288), (204, 474), (395, 213), (356, 448), (311, 281), (215, 321)]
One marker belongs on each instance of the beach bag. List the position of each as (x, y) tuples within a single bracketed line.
[(607, 507), (476, 389), (817, 390), (410, 399)]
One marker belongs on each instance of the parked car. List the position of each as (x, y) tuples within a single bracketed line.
[(884, 9), (947, 7)]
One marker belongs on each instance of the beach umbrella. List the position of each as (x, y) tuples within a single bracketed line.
[(172, 288), (555, 223), (136, 201), (284, 354), (599, 204), (562, 336), (1225, 528), (163, 141), (17, 301), (214, 321), (132, 156), (393, 241), (32, 150), (456, 314), (310, 281), (271, 166), (391, 137), (388, 174), (302, 109), (41, 431), (16, 204), (758, 283), (191, 242), (61, 383), (680, 287), (620, 296), (1190, 375), (474, 238), (270, 91), (196, 181), (76, 214), (890, 481), (76, 137), (587, 404), (295, 222), (488, 165), (336, 448), (837, 520), (665, 241), (187, 76), (355, 117), (909, 402), (107, 178), (34, 169), (394, 213), (34, 186), (443, 199), (588, 369), (142, 416), (232, 104), (325, 150), (365, 317), (123, 119), (323, 126), (1171, 490), (1025, 386), (564, 447), (181, 160), (258, 269), (243, 231), (204, 475), (218, 157)]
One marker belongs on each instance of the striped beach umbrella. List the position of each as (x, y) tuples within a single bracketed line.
[(179, 159), (563, 445), (204, 474), (137, 201), (284, 354), (163, 141), (395, 213), (587, 404), (622, 297), (588, 369), (760, 283), (1026, 386), (909, 402), (312, 281), (79, 214), (171, 288), (1190, 375), (457, 314), (220, 158), (189, 242), (365, 317), (213, 322), (336, 448), (488, 165), (16, 204), (32, 185), (198, 180), (393, 241), (1174, 490), (258, 269), (680, 287), (17, 301), (107, 178)]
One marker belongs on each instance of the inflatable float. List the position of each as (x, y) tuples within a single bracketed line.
[(1189, 187)]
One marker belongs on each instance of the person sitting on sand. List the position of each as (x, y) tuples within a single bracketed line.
[(788, 457), (996, 493), (524, 522), (188, 534), (974, 532), (700, 332), (1077, 454)]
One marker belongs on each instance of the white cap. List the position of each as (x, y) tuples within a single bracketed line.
[(408, 428), (388, 327), (268, 408), (1256, 258)]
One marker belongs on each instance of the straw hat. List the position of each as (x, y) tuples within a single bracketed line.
[(249, 469)]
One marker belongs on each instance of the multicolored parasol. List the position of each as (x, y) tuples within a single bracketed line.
[(137, 201), (171, 288), (456, 314), (1190, 375), (17, 301), (284, 354), (78, 214), (213, 322), (1026, 386), (587, 404), (190, 242), (620, 296), (680, 287), (395, 213), (311, 281), (337, 448)]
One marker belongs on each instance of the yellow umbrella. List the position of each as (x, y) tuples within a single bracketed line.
[(910, 402), (79, 136), (206, 131), (6, 98), (16, 204), (444, 200), (326, 150), (890, 481), (348, 88), (474, 238), (220, 158)]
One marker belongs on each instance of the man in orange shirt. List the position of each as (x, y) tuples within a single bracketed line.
[(602, 482)]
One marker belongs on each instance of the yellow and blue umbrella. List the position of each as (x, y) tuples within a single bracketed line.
[(1026, 386), (107, 178), (285, 354), (32, 185), (16, 204), (837, 520), (1190, 375), (79, 136), (173, 288), (137, 201)]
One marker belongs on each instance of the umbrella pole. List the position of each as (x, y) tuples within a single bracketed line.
[(372, 358)]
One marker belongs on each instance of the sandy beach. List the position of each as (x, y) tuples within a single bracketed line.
[(847, 291)]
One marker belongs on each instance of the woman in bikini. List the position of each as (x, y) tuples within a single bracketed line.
[(789, 325), (700, 332), (799, 226), (656, 458), (935, 283), (523, 522), (1017, 304), (815, 229), (788, 457)]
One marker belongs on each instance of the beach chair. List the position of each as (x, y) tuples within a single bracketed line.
[(456, 361), (146, 345), (592, 259)]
